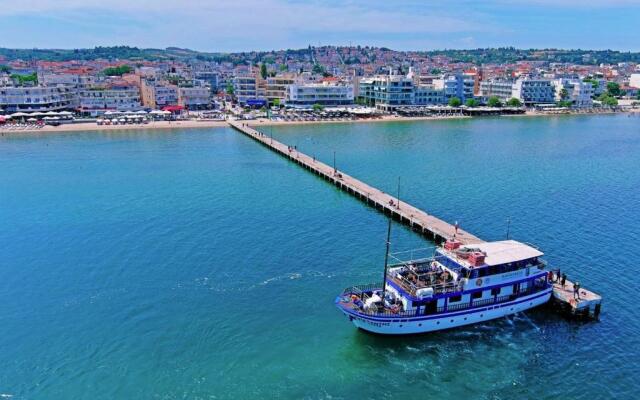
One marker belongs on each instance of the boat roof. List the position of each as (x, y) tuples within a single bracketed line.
[(505, 251)]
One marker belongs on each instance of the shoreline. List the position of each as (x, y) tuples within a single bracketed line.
[(91, 126)]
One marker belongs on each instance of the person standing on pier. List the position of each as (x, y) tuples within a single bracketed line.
[(455, 227), (576, 290)]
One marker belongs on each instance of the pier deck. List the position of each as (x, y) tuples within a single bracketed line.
[(418, 220), (587, 305)]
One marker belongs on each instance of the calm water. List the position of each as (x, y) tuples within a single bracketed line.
[(197, 264)]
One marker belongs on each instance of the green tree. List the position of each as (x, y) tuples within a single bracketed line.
[(117, 71), (494, 101), (455, 102), (318, 69), (229, 88), (564, 104), (276, 102), (514, 102), (472, 103), (613, 89), (25, 79), (608, 100), (5, 69), (263, 71), (318, 107), (564, 94)]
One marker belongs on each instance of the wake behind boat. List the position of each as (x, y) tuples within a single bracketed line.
[(456, 285)]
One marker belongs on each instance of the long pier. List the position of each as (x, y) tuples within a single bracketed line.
[(585, 304), (429, 226)]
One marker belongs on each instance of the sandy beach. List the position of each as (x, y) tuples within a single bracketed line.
[(92, 126)]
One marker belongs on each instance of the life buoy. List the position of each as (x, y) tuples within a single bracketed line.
[(478, 282)]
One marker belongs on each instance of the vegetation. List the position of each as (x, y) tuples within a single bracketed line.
[(608, 100), (229, 89), (494, 101), (613, 89), (564, 94), (475, 56), (318, 107), (593, 82), (564, 104), (31, 79), (117, 71), (318, 69), (513, 102), (472, 103), (263, 71), (455, 102), (5, 69)]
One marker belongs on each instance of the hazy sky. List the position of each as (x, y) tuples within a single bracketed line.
[(233, 25)]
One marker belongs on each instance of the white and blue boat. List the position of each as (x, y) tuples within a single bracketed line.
[(455, 285)]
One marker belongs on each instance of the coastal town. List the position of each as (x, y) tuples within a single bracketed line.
[(324, 83)]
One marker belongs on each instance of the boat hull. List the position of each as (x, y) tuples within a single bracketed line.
[(432, 323)]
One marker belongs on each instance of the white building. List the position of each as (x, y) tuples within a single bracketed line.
[(458, 85), (194, 97), (386, 92), (579, 93), (531, 91), (326, 94), (634, 80), (119, 97), (500, 89), (37, 98)]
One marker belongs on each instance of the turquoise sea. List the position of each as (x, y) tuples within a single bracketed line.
[(196, 264)]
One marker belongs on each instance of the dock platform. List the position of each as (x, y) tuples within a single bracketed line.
[(429, 226), (586, 304)]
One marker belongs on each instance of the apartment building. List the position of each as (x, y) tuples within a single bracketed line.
[(194, 97), (249, 89), (155, 94), (325, 93), (579, 93), (278, 88), (499, 88), (37, 98), (386, 92), (115, 96), (531, 91)]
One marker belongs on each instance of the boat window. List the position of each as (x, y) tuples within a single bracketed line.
[(495, 291), (476, 295), (454, 299)]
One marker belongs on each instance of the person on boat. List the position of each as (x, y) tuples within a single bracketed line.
[(576, 290), (356, 300), (456, 226), (563, 281)]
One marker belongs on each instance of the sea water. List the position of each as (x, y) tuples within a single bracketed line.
[(197, 264)]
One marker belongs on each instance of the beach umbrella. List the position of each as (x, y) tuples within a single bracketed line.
[(32, 120), (19, 114)]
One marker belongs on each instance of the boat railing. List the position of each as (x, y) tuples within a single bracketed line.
[(438, 288), (387, 313)]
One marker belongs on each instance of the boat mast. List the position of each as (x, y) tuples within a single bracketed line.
[(386, 261)]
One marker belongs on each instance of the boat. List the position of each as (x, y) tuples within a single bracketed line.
[(449, 286)]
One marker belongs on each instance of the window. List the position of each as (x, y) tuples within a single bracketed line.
[(476, 295), (495, 291), (454, 299)]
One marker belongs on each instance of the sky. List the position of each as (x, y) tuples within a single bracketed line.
[(239, 25)]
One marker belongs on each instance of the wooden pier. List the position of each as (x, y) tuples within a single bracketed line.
[(429, 226), (418, 220)]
